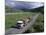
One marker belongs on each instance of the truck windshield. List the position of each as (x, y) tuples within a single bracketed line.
[(18, 24)]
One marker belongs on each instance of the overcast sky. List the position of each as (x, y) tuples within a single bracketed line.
[(21, 4)]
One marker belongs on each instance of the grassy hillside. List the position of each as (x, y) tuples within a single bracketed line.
[(10, 20), (12, 10), (38, 26)]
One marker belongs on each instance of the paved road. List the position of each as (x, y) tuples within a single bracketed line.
[(15, 13), (20, 31), (10, 13)]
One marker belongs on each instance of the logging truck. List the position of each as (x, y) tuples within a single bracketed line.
[(22, 23)]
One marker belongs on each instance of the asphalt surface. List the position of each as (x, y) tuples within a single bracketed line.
[(15, 13), (20, 31)]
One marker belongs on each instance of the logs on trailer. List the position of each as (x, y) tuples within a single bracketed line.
[(21, 23)]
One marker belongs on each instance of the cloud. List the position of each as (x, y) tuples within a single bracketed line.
[(20, 4), (29, 0)]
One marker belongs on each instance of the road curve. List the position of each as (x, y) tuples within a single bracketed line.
[(20, 31)]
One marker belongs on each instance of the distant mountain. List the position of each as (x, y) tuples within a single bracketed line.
[(40, 9)]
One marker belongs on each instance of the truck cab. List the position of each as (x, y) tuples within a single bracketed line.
[(20, 24)]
